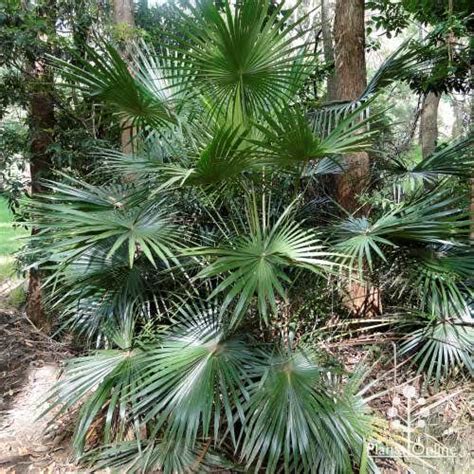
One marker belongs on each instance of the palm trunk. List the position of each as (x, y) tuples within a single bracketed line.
[(351, 80), (429, 123)]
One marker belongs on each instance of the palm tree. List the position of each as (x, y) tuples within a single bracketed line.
[(174, 269)]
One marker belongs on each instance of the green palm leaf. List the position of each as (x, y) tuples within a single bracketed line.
[(77, 219), (103, 384), (245, 60), (456, 159), (288, 137), (136, 93), (256, 265), (168, 457), (196, 378), (441, 280), (440, 346), (295, 422), (432, 219)]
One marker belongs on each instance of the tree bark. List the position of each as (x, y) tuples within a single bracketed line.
[(123, 12), (459, 111), (328, 48), (360, 297), (41, 125), (429, 123), (351, 80), (123, 15)]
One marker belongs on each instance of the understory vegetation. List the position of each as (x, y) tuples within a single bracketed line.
[(210, 271)]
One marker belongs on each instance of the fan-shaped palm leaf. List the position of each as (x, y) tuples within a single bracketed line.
[(432, 219), (440, 279), (254, 265), (139, 97), (243, 60), (76, 220), (104, 384), (168, 457), (296, 423), (196, 378), (439, 345), (289, 138), (456, 159)]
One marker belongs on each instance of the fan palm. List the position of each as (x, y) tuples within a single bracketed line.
[(168, 271), (253, 266), (440, 346)]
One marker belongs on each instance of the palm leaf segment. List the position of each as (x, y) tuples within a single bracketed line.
[(104, 383), (138, 96), (196, 377), (254, 266), (441, 280), (456, 159), (295, 423), (440, 346), (289, 137), (244, 59), (434, 219), (83, 217)]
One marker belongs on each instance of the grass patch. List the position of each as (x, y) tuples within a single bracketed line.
[(10, 237), (17, 297), (7, 267)]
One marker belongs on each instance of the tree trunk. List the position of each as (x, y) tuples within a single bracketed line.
[(328, 48), (123, 12), (360, 297), (429, 123), (458, 124), (123, 15), (351, 80), (41, 124)]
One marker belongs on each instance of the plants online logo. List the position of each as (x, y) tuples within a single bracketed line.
[(408, 419)]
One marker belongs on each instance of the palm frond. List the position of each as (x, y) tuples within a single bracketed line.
[(77, 219), (256, 266), (166, 456), (103, 384), (456, 159), (140, 97), (440, 346), (295, 422), (398, 66), (246, 60), (432, 219), (196, 379), (441, 280), (289, 138)]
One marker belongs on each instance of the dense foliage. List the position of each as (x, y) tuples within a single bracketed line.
[(197, 269)]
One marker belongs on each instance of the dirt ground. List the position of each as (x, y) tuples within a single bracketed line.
[(29, 366)]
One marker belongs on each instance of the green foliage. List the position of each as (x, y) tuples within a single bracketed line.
[(255, 265), (188, 263), (91, 216), (10, 235), (440, 347), (197, 380), (296, 416), (432, 219), (246, 60)]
